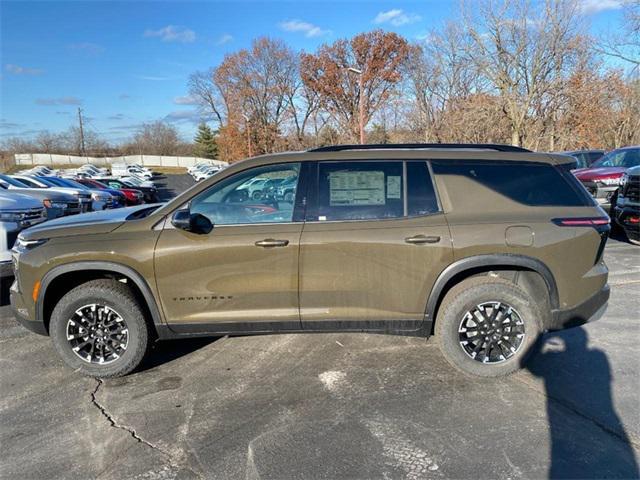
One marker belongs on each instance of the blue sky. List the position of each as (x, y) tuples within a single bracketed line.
[(127, 62)]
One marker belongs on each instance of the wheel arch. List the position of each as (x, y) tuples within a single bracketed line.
[(92, 270), (482, 264)]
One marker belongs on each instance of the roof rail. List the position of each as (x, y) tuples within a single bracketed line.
[(417, 146)]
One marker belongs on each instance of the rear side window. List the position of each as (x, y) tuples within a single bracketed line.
[(374, 190), (360, 190), (420, 192), (532, 184)]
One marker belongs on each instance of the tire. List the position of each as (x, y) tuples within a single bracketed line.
[(491, 293), (615, 227), (120, 303), (288, 197), (256, 195)]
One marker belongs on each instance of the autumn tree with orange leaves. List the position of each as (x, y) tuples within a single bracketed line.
[(332, 72)]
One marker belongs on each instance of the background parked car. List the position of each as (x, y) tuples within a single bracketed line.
[(585, 158), (57, 204), (626, 204), (149, 194), (17, 212), (101, 199), (118, 195), (603, 177), (83, 197)]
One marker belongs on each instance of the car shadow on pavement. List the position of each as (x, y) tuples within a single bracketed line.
[(166, 351), (578, 378)]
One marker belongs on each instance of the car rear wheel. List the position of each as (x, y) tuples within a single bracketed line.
[(486, 326), (99, 329)]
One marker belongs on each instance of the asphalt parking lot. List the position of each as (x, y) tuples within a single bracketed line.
[(331, 406)]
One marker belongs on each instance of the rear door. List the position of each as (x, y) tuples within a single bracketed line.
[(374, 241)]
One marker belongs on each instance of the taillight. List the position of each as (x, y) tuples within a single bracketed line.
[(581, 222)]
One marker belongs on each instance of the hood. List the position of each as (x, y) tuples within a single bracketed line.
[(46, 193), (103, 221), (588, 174), (633, 170), (17, 201)]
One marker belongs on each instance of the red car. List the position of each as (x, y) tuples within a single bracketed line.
[(132, 196), (602, 179)]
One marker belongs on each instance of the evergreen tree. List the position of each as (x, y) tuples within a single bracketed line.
[(205, 142)]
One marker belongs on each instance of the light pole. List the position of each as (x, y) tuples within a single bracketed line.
[(247, 127), (360, 102)]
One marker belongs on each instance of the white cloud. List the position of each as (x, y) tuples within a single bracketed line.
[(87, 47), (59, 101), (185, 100), (19, 70), (396, 17), (596, 6), (172, 33), (309, 29), (226, 38)]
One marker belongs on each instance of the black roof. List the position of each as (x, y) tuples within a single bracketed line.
[(417, 146)]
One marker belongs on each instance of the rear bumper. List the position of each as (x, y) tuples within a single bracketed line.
[(588, 311)]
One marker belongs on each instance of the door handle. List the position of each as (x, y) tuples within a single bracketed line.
[(418, 239), (270, 242)]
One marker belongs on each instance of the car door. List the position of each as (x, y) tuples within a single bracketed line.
[(373, 244), (243, 275)]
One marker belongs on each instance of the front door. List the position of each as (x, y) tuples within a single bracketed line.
[(243, 275), (373, 244)]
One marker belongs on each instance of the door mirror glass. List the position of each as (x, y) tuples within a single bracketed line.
[(191, 222)]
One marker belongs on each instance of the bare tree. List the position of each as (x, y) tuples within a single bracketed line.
[(157, 138), (625, 44), (524, 51)]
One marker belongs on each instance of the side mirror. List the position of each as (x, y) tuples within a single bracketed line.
[(191, 222)]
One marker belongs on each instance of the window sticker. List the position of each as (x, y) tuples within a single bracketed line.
[(356, 188), (393, 187)]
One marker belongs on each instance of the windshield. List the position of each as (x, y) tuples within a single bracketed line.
[(13, 181), (620, 158), (48, 182), (63, 182)]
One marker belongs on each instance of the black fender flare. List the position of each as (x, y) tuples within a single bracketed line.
[(114, 267), (491, 260)]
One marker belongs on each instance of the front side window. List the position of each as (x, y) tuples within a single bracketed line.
[(258, 195), (620, 158)]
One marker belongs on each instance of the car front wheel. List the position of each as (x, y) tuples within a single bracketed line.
[(487, 326), (99, 329)]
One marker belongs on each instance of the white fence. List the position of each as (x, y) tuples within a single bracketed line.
[(147, 160)]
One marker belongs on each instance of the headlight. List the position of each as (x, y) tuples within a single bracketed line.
[(23, 245), (49, 204), (624, 179), (610, 181), (100, 198), (11, 216)]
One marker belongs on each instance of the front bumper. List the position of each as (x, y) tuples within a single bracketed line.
[(601, 193), (590, 310), (627, 217), (6, 269), (21, 313)]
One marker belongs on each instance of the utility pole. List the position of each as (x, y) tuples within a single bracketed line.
[(247, 127), (81, 132), (360, 101)]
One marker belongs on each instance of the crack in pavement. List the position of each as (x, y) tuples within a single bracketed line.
[(112, 421)]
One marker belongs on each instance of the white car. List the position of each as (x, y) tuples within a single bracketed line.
[(121, 170), (198, 166), (17, 212), (204, 174), (93, 170)]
